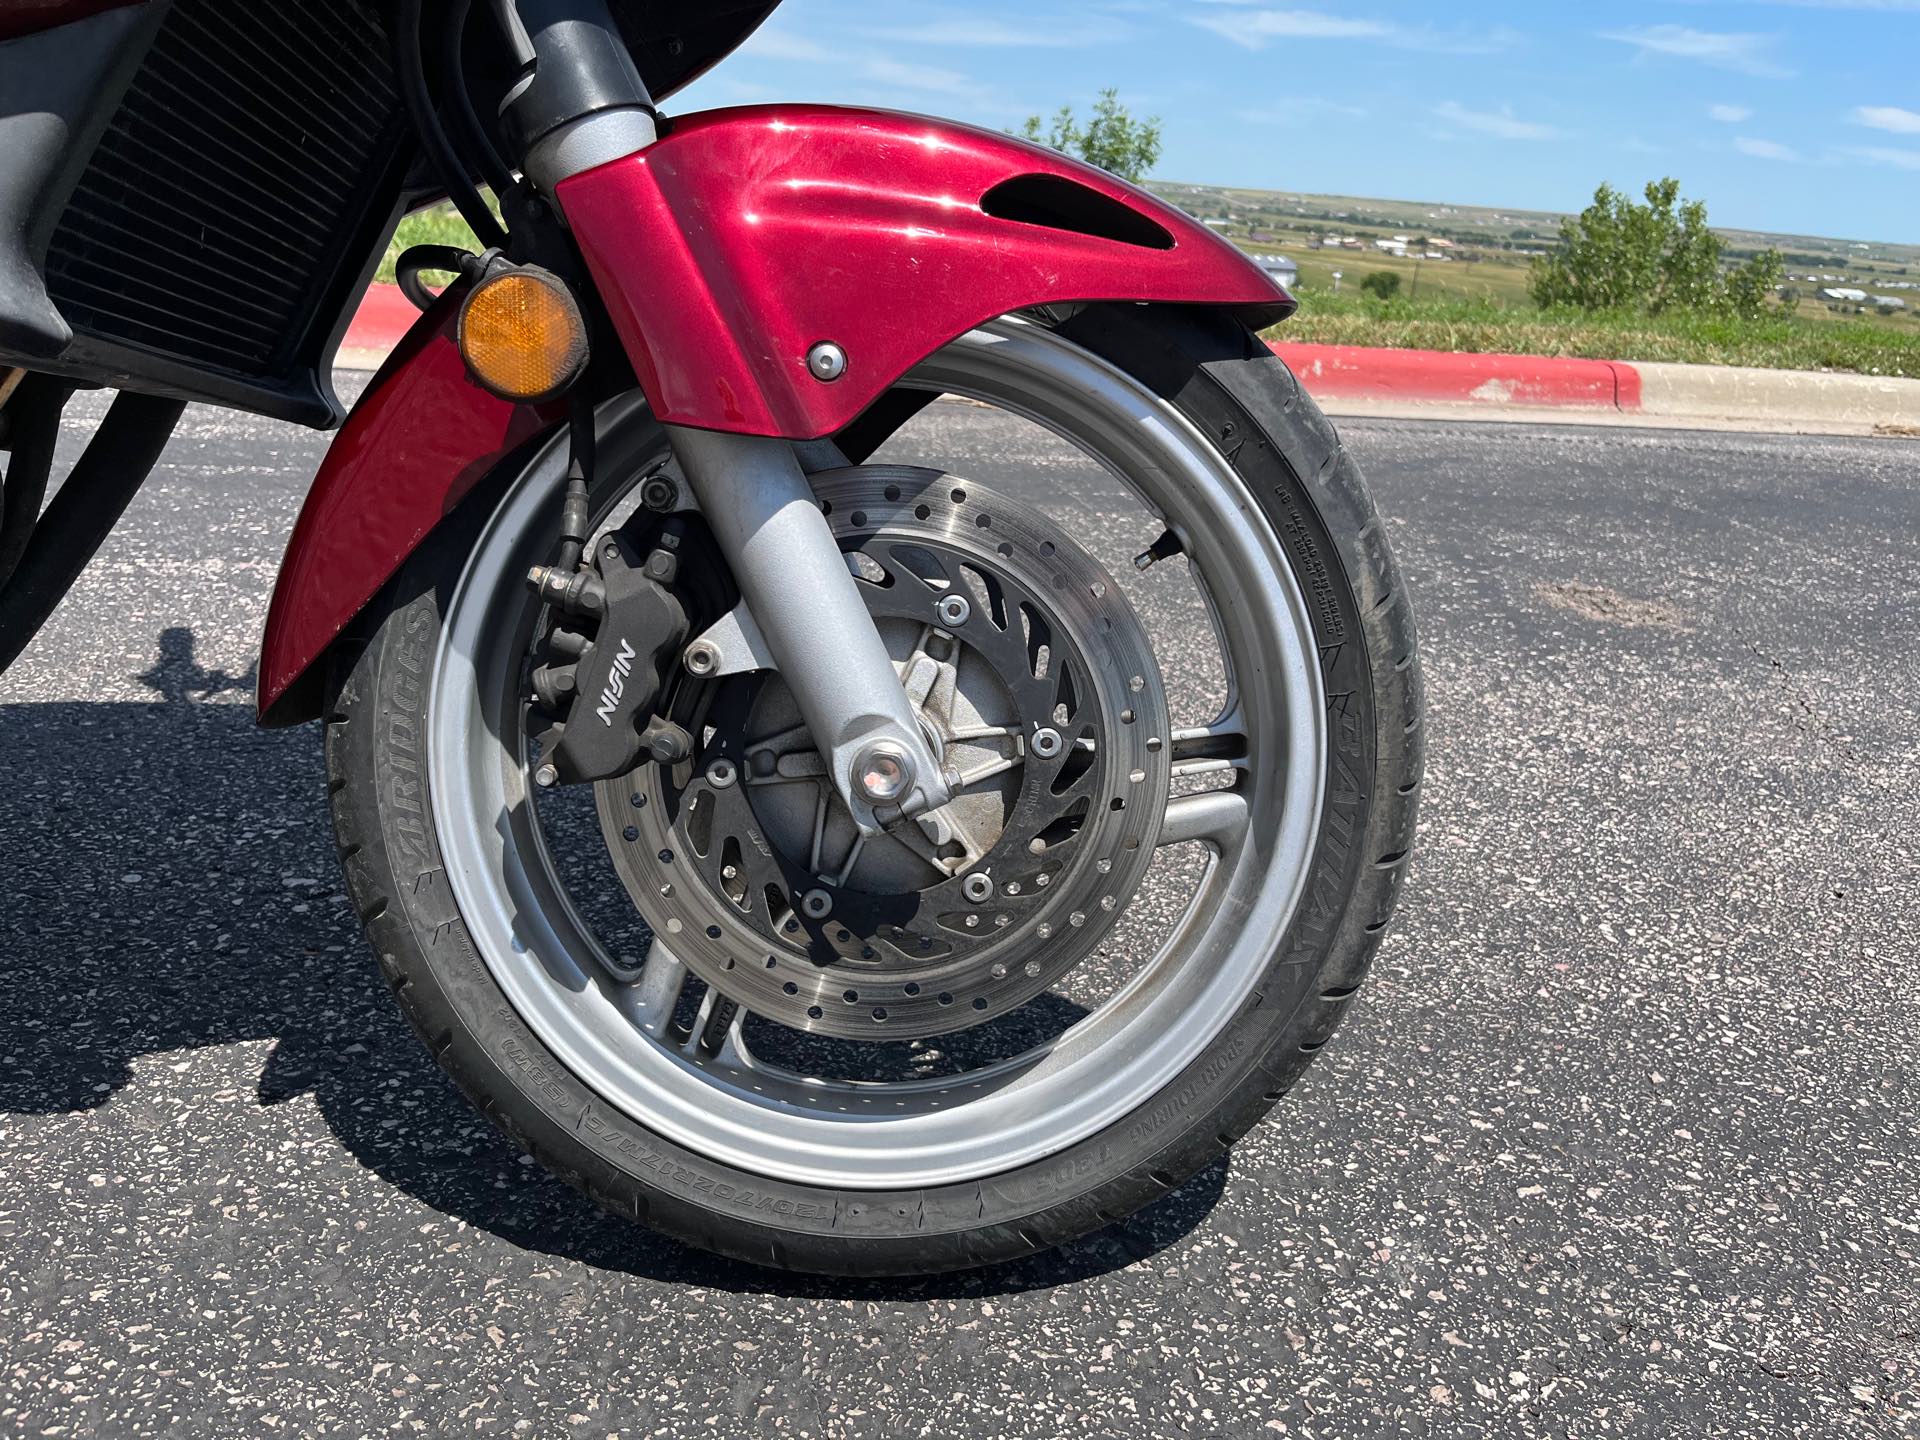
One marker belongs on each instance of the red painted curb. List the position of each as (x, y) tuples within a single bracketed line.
[(1361, 372), (1328, 371), (383, 317)]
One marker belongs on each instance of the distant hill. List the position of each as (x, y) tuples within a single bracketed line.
[(1296, 217)]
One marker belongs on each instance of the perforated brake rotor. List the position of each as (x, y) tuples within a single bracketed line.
[(1033, 679)]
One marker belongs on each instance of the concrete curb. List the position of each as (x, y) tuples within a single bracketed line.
[(1352, 380), (1872, 404)]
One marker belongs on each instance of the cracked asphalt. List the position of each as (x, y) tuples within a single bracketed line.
[(1619, 1140)]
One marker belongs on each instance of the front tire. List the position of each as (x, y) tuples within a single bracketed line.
[(1232, 397)]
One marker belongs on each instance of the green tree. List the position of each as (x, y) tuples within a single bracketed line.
[(1111, 139), (1618, 254), (1382, 283)]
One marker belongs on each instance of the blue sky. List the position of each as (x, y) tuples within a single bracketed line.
[(1794, 115)]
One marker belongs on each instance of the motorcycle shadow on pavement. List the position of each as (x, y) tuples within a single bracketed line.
[(170, 887)]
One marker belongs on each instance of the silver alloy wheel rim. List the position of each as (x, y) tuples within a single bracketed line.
[(618, 1037)]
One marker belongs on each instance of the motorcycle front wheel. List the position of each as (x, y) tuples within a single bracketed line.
[(1189, 800)]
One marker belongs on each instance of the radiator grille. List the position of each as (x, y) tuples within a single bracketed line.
[(208, 225)]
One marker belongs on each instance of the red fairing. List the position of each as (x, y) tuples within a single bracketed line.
[(745, 237), (420, 439)]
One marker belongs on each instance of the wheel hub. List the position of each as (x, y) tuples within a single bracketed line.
[(1037, 689)]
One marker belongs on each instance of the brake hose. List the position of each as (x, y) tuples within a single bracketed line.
[(410, 61)]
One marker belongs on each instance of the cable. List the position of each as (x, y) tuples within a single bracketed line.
[(447, 259), (471, 137), (409, 60)]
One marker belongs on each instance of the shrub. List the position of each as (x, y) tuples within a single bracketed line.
[(1660, 256)]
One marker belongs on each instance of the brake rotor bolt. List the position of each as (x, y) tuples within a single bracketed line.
[(953, 611), (546, 777), (1047, 743), (816, 904), (977, 887)]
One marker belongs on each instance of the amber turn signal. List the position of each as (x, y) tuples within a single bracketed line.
[(522, 335)]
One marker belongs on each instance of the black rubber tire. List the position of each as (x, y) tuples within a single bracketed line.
[(1237, 392)]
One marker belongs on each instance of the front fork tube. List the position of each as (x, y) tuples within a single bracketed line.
[(820, 635)]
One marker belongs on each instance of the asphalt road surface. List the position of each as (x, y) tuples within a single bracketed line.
[(1620, 1140)]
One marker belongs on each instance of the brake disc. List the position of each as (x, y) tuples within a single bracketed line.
[(1037, 688)]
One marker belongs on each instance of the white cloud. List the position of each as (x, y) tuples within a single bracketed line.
[(1501, 123), (1256, 29), (1886, 155), (781, 45), (999, 34), (1766, 149), (884, 70), (910, 79), (1900, 7), (1888, 117), (1295, 111), (1729, 114), (1748, 54)]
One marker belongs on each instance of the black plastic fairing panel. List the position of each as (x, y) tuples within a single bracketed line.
[(58, 92), (674, 42)]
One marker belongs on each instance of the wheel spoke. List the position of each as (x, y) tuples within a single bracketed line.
[(717, 1018), (1208, 749), (651, 1000), (1214, 817)]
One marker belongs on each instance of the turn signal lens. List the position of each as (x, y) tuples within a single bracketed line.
[(522, 335)]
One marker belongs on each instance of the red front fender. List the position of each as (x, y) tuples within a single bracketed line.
[(745, 237), (724, 253), (420, 439)]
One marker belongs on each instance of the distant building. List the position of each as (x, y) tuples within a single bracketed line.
[(1285, 272)]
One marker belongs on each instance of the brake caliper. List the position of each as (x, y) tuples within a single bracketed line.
[(609, 686)]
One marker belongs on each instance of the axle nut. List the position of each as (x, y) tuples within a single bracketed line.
[(816, 904), (702, 658), (977, 887), (882, 774), (953, 611), (1047, 743)]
